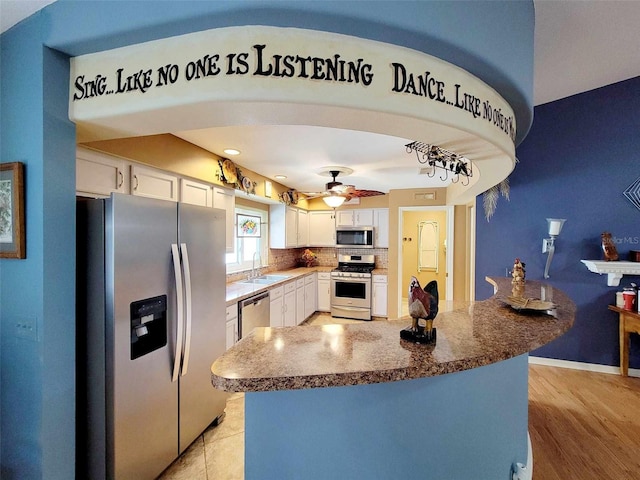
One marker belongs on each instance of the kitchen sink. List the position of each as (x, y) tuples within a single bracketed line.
[(266, 279)]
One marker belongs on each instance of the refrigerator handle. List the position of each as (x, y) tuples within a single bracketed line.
[(187, 296), (180, 311)]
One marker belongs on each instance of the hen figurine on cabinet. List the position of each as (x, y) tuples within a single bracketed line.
[(423, 305)]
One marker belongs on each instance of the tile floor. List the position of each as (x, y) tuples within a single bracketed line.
[(218, 454)]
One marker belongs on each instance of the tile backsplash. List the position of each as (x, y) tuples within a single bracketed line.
[(326, 257)]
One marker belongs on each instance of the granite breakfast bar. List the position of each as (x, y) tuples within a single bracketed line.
[(354, 401)]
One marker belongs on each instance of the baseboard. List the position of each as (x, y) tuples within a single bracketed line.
[(589, 367)]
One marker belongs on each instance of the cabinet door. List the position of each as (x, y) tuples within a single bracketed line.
[(355, 218), (310, 290), (290, 308), (381, 227), (277, 312), (196, 193), (303, 228), (232, 325), (291, 227), (225, 199), (379, 300), (147, 182), (300, 301), (345, 218), (99, 175), (324, 293), (363, 218), (322, 229), (231, 333)]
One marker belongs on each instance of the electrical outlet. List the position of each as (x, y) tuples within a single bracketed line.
[(25, 328)]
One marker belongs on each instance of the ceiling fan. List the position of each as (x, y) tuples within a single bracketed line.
[(336, 193)]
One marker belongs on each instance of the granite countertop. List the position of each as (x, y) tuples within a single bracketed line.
[(469, 336), (238, 291)]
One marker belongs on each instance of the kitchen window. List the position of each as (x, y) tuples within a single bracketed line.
[(248, 248)]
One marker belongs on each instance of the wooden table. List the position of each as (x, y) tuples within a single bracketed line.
[(629, 323)]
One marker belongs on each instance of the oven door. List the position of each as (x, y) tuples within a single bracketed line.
[(351, 297)]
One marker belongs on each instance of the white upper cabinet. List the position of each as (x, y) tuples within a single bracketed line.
[(381, 227), (354, 218), (196, 193), (225, 199), (148, 182), (98, 174), (303, 228), (322, 228), (288, 227)]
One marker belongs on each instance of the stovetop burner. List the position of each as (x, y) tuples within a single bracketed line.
[(354, 268), (362, 264)]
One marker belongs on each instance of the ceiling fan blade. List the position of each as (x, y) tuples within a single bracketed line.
[(311, 195), (365, 193)]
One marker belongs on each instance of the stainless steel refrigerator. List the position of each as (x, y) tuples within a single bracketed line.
[(151, 321)]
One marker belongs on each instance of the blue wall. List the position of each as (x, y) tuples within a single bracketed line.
[(580, 155), (464, 425), (37, 374)]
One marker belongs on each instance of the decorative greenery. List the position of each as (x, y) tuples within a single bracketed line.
[(490, 197)]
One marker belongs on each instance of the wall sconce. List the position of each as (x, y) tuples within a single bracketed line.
[(548, 244)]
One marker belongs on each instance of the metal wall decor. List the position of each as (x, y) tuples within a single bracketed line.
[(289, 197), (232, 175), (449, 163), (632, 193)]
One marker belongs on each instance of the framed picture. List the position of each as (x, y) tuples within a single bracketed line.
[(12, 234), (248, 225)]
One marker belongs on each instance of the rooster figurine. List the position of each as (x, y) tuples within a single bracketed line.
[(423, 304)]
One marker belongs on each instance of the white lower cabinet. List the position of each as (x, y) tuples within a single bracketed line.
[(300, 311), (324, 292), (290, 304), (379, 300), (310, 293), (276, 310), (232, 325)]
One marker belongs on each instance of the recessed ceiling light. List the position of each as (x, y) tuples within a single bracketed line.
[(231, 151), (280, 177)]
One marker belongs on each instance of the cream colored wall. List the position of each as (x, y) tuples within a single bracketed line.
[(410, 221)]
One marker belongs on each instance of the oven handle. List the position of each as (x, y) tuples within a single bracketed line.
[(351, 279)]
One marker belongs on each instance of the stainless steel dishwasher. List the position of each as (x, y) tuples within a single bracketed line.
[(253, 312)]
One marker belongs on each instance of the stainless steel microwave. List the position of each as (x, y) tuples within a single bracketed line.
[(354, 237)]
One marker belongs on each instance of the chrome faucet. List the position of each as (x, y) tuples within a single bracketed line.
[(255, 272)]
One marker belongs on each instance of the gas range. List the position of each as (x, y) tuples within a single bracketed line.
[(354, 266), (351, 287)]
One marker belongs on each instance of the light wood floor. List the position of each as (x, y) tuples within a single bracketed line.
[(583, 425)]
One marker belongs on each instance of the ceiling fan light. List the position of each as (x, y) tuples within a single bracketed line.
[(333, 201)]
